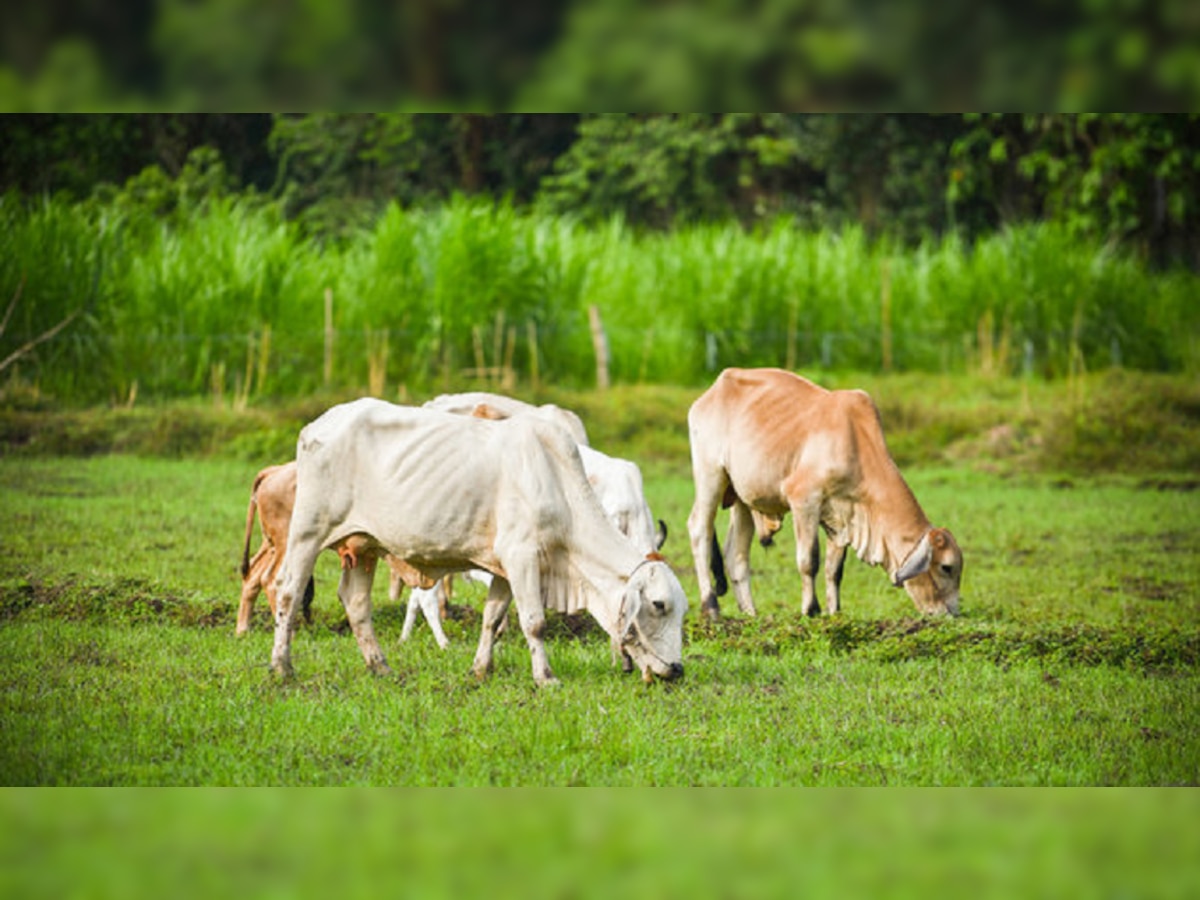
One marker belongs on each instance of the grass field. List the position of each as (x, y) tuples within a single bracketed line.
[(1077, 661)]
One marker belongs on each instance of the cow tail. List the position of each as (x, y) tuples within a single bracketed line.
[(720, 585), (250, 527), (306, 603)]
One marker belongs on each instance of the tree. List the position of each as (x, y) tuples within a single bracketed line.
[(662, 169), (1130, 178), (885, 171), (336, 171), (50, 153)]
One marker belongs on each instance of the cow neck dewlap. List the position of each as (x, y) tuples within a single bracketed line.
[(867, 541), (878, 537)]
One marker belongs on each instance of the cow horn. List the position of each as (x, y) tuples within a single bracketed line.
[(660, 536), (917, 562)]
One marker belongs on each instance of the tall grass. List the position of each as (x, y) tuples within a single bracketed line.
[(180, 306)]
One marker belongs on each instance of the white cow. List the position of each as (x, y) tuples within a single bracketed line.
[(449, 492), (617, 482), (619, 488), (430, 602)]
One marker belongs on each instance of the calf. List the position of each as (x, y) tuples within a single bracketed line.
[(273, 496)]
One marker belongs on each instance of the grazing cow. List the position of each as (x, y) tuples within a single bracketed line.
[(617, 482), (448, 492), (769, 442), (273, 496)]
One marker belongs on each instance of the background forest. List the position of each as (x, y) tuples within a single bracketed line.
[(218, 55), (268, 255)]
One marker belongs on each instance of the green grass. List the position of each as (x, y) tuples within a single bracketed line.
[(229, 300), (1076, 662)]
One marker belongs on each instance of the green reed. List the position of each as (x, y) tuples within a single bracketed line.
[(231, 300)]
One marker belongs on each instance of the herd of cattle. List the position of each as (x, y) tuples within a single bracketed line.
[(512, 494)]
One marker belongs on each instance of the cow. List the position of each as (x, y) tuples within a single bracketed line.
[(619, 488), (766, 442), (448, 492), (272, 496), (617, 482)]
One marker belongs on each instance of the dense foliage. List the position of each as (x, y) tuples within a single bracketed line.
[(197, 253), (1129, 178), (197, 291)]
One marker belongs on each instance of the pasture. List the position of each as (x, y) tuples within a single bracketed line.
[(1077, 661)]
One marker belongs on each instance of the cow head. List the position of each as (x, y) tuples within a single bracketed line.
[(932, 573), (650, 625)]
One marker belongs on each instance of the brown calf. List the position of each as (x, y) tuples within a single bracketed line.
[(272, 497)]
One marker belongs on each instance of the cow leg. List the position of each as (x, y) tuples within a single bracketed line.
[(427, 602), (808, 554), (431, 605), (410, 612), (710, 487), (354, 590), (395, 585), (270, 586), (294, 577), (494, 608), (835, 562), (737, 555), (533, 624)]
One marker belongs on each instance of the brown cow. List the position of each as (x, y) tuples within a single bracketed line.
[(273, 496), (765, 443)]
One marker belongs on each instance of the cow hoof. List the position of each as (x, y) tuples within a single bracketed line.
[(284, 670), (379, 668), (550, 682), (711, 611)]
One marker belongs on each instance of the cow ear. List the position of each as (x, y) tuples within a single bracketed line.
[(938, 536), (918, 561), (632, 606)]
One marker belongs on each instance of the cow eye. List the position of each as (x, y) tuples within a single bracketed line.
[(660, 607), (947, 570)]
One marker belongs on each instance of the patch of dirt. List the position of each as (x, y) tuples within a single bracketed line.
[(1169, 484), (1149, 589), (580, 626)]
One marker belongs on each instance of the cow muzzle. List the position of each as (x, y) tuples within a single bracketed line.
[(672, 672)]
